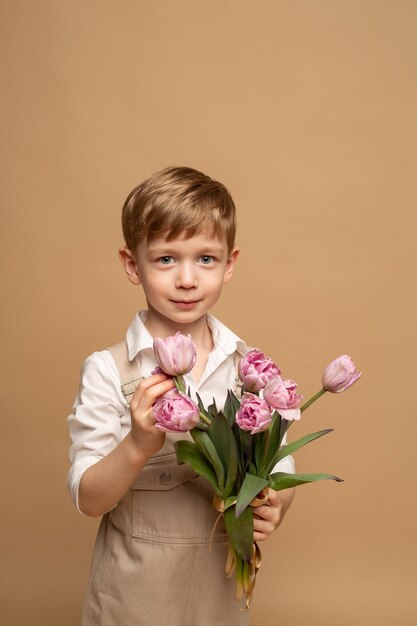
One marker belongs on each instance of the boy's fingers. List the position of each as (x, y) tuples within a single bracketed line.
[(146, 383), (152, 393), (269, 513), (273, 496), (152, 380), (262, 526), (150, 389), (264, 512), (262, 530)]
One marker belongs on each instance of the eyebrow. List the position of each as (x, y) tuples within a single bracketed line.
[(167, 250)]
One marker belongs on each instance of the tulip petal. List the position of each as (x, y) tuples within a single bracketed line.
[(290, 414), (176, 355), (350, 382), (175, 412)]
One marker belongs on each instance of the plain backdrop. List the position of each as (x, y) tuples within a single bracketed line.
[(306, 110)]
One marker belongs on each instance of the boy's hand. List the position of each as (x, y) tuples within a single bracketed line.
[(268, 517), (147, 438)]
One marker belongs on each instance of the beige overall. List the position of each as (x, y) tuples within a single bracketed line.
[(151, 564)]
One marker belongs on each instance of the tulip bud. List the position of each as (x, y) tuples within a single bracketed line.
[(176, 355), (175, 412), (256, 369), (340, 374), (254, 414)]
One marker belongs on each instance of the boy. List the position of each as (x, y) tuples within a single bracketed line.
[(151, 562)]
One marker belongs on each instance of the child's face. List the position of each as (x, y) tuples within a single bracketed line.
[(182, 278)]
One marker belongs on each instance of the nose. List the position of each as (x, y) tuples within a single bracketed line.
[(186, 276)]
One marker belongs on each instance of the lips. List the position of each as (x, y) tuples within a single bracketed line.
[(185, 304)]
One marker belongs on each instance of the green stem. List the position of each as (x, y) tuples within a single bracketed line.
[(313, 399), (179, 383), (239, 577), (205, 419)]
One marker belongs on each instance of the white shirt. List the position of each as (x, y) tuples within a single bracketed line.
[(101, 415)]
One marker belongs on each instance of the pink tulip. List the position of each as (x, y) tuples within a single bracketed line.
[(280, 393), (176, 355), (175, 412), (256, 369), (254, 414), (340, 374)]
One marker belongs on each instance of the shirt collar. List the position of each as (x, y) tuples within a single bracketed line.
[(224, 338), (138, 338)]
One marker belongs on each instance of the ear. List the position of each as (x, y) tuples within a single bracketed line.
[(230, 265), (130, 266)]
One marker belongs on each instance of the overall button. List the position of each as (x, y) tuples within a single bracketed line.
[(165, 478)]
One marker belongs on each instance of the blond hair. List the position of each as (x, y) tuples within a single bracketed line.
[(176, 201)]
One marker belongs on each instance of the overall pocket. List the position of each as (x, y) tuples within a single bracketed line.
[(172, 504)]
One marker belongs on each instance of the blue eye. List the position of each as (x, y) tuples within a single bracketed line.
[(206, 259), (165, 260)]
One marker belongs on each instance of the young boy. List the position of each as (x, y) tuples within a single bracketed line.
[(152, 564)]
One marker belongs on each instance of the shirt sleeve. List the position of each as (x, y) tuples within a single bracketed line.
[(95, 423)]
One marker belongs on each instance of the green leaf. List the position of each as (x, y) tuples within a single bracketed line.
[(201, 406), (244, 446), (289, 448), (188, 452), (212, 409), (285, 424), (250, 488), (274, 441), (222, 437), (260, 440), (240, 531), (201, 426), (231, 406), (207, 447), (282, 480)]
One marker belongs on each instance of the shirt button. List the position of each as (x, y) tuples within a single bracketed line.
[(165, 478)]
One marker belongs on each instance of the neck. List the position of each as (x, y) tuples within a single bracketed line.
[(160, 326)]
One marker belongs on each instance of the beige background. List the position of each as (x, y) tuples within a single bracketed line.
[(307, 111)]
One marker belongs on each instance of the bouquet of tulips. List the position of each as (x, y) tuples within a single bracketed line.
[(236, 449)]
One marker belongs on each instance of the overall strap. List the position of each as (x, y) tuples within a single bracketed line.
[(128, 370), (238, 384)]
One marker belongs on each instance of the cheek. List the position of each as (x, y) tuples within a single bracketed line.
[(154, 286), (215, 284), (209, 278)]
